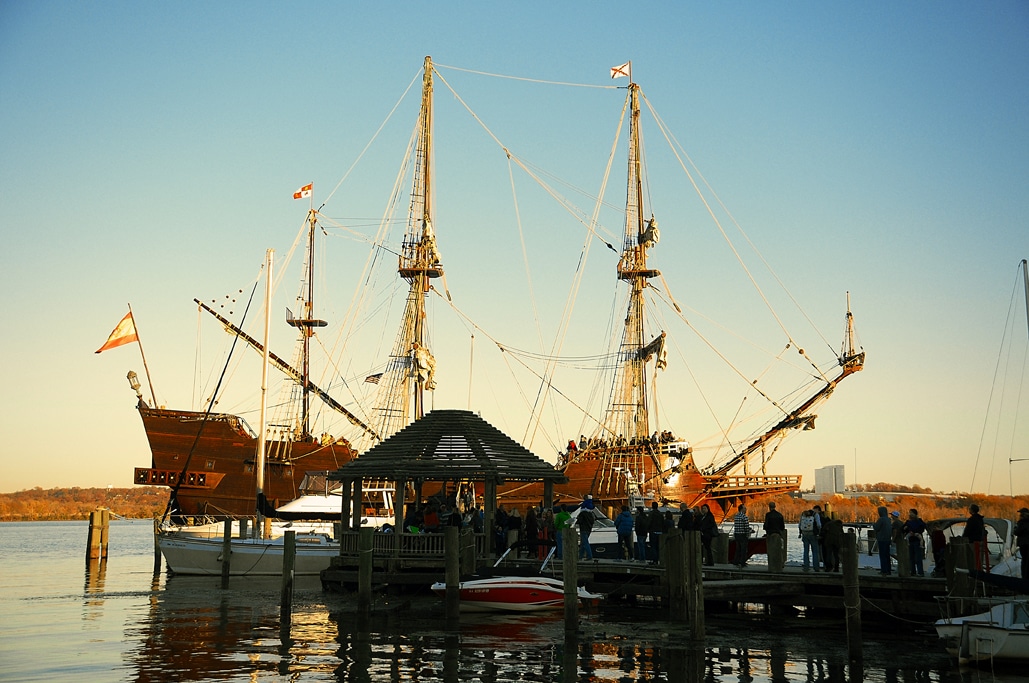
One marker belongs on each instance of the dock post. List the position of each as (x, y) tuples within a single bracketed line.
[(720, 548), (903, 558), (157, 546), (452, 571), (467, 551), (364, 568), (674, 556), (959, 561), (243, 530), (105, 529), (851, 595), (570, 575), (776, 552), (289, 558), (694, 552), (226, 552), (96, 538)]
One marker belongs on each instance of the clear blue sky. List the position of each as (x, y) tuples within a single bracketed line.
[(148, 152)]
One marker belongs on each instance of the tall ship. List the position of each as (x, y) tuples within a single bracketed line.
[(626, 458), (207, 459)]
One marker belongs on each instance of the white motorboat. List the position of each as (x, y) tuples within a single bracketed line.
[(999, 634), (200, 555)]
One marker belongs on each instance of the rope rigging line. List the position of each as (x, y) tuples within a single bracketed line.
[(436, 66), (676, 151)]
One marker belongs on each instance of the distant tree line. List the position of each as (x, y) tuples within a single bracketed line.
[(40, 504), (864, 508)]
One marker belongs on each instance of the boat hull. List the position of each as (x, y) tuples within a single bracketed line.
[(191, 554), (214, 475), (511, 594)]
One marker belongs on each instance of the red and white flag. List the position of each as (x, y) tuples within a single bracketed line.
[(622, 71), (304, 192), (124, 333)]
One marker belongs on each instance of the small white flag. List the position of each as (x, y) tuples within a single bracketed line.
[(621, 71)]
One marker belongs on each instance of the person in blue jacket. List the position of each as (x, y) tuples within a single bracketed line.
[(623, 525)]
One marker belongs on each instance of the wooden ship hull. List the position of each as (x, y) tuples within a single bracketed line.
[(209, 461)]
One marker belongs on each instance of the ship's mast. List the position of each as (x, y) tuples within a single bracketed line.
[(411, 368), (627, 415), (306, 324)]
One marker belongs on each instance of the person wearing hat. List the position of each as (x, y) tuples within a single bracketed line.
[(1022, 538), (975, 532), (897, 526)]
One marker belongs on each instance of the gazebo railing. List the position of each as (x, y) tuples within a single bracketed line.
[(405, 545)]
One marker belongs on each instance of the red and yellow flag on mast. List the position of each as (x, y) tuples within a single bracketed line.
[(124, 333), (304, 192)]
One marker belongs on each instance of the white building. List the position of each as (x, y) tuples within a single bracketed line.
[(829, 480)]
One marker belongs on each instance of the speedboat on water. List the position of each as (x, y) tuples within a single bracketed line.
[(513, 593)]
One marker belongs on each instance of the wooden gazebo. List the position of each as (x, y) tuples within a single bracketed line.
[(444, 446)]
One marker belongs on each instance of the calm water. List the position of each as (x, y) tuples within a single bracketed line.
[(123, 623)]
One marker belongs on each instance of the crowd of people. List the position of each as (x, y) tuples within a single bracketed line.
[(640, 532)]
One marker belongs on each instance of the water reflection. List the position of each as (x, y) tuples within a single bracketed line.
[(195, 631)]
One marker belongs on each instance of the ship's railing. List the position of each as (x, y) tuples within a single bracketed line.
[(758, 481)]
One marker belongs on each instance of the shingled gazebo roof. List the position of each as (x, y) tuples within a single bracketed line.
[(447, 445)]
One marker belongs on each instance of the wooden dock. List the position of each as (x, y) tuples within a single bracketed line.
[(724, 586)]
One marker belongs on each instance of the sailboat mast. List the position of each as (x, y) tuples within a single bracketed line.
[(306, 324), (1025, 277), (263, 427)]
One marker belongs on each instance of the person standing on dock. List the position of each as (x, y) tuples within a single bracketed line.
[(585, 521), (1022, 539), (883, 537), (656, 527), (914, 527), (642, 529), (562, 521), (708, 528), (975, 532), (774, 522), (685, 522), (741, 534), (809, 537), (623, 525)]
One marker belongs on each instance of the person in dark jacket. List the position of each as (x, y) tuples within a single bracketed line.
[(774, 522), (883, 537), (914, 527), (624, 525), (1022, 539), (685, 522), (642, 529), (975, 532), (708, 530)]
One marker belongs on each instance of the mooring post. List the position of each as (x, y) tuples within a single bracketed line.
[(903, 558), (467, 552), (243, 530), (776, 552), (959, 561), (289, 559), (93, 537), (851, 594), (105, 529), (694, 552), (226, 552), (157, 545), (570, 574), (452, 570), (673, 554), (720, 548), (364, 568)]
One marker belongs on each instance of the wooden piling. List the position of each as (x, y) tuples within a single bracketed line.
[(903, 558), (570, 574), (226, 552), (96, 537), (673, 555), (289, 558), (720, 548), (851, 594), (243, 527), (776, 552), (364, 568), (467, 552), (157, 546), (452, 571), (694, 561), (959, 560)]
